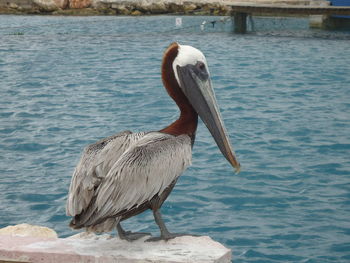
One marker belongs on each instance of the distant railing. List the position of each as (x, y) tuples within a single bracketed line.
[(292, 9), (241, 11)]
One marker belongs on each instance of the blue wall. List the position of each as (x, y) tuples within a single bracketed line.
[(341, 3)]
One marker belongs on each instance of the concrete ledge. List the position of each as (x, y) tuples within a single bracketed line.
[(103, 249)]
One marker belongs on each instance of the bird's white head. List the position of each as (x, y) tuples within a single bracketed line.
[(188, 55)]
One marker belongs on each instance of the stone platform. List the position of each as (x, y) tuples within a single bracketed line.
[(84, 248)]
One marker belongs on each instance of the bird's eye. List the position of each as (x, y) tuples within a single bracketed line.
[(201, 70), (201, 66)]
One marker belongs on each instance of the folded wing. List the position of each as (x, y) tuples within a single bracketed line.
[(95, 163), (145, 169)]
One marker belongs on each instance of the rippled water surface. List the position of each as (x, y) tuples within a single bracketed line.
[(284, 94)]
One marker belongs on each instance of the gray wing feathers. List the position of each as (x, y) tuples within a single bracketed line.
[(96, 161), (142, 171)]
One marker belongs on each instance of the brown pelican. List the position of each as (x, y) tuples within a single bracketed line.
[(125, 174)]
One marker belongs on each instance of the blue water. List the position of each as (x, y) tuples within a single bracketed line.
[(284, 93)]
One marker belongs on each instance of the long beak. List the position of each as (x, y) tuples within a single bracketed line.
[(196, 85)]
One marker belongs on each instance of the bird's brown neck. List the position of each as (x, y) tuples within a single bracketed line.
[(188, 120)]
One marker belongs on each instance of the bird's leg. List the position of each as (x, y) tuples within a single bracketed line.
[(128, 235), (164, 233)]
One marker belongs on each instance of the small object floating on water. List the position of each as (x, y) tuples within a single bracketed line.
[(125, 174), (178, 22), (202, 25)]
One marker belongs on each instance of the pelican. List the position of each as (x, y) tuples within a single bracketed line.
[(125, 174)]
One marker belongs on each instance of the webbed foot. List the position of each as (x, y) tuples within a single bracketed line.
[(130, 236), (167, 236)]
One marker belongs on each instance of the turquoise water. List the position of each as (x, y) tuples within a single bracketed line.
[(284, 93)]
